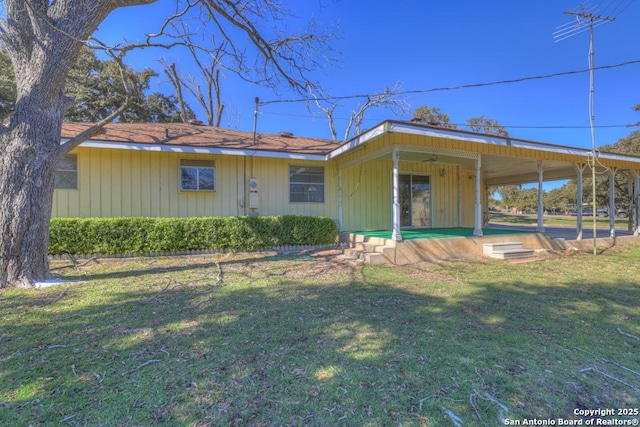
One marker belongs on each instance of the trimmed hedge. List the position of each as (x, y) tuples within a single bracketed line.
[(111, 236)]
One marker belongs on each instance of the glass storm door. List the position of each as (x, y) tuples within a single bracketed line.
[(415, 201)]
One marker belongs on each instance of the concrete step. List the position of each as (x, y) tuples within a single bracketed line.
[(375, 247), (489, 248), (513, 254), (376, 256)]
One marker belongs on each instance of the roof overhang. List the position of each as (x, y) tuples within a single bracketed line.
[(504, 160), (557, 161), (198, 150)]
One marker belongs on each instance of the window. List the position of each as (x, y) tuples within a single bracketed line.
[(66, 176), (306, 184), (197, 175)]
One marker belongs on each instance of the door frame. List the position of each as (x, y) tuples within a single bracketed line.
[(411, 175)]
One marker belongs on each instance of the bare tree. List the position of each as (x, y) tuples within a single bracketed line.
[(171, 72), (388, 99), (326, 108), (207, 90), (43, 38)]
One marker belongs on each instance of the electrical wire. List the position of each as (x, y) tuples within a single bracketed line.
[(461, 125), (447, 88)]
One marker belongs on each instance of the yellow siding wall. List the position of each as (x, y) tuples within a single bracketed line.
[(124, 183), (468, 187), (367, 193)]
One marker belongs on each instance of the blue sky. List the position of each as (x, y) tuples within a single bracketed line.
[(424, 45)]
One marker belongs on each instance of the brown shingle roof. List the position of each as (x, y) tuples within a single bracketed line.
[(185, 134)]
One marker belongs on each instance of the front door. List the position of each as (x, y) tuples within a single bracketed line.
[(415, 201)]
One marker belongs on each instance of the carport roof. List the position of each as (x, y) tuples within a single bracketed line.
[(504, 160)]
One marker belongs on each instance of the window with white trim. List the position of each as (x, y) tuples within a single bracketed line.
[(306, 184), (66, 175), (197, 175)]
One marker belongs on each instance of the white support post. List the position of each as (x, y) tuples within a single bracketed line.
[(580, 169), (396, 234), (340, 224), (478, 211), (612, 203), (540, 227)]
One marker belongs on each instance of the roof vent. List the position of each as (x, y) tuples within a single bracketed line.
[(286, 134), (195, 122)]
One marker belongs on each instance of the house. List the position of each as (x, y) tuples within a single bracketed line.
[(396, 175)]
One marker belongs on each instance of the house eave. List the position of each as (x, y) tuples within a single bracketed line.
[(166, 148), (358, 140)]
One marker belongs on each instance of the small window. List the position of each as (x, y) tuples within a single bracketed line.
[(197, 175), (66, 176), (306, 184)]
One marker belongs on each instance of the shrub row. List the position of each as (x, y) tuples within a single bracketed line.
[(111, 236)]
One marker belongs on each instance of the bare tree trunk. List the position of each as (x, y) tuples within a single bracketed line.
[(220, 105), (27, 167), (170, 71), (42, 39)]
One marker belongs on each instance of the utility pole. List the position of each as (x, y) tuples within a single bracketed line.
[(587, 18)]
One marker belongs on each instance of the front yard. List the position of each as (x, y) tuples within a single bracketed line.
[(273, 340)]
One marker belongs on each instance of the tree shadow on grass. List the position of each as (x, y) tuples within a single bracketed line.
[(300, 342), (149, 266)]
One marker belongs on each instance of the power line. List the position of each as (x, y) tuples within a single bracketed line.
[(372, 119), (446, 88)]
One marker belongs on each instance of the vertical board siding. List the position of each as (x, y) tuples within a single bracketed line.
[(367, 193), (468, 198), (94, 182), (127, 183), (113, 183), (115, 186)]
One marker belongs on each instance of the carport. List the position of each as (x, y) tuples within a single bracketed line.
[(479, 160)]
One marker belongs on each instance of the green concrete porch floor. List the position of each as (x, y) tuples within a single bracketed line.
[(437, 233)]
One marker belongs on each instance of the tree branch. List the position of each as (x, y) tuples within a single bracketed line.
[(96, 128)]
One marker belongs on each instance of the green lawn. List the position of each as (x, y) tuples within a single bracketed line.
[(555, 220), (265, 340)]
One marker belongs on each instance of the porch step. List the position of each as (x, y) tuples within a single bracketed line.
[(489, 248), (514, 254), (367, 249), (375, 247), (363, 255), (507, 250)]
